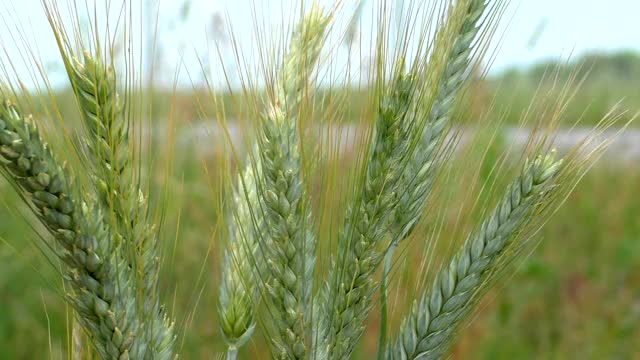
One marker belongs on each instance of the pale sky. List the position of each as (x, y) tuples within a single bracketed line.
[(568, 26)]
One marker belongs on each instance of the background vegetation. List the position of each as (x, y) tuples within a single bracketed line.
[(576, 296)]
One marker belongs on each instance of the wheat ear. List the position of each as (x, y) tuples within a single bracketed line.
[(418, 175), (123, 204), (346, 301), (94, 84), (290, 256), (103, 294), (426, 130), (240, 268), (125, 207), (427, 331)]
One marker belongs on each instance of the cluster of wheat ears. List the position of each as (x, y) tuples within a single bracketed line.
[(107, 244)]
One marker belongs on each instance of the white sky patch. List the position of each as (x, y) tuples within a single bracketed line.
[(536, 30)]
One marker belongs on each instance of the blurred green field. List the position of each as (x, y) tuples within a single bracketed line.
[(577, 296), (603, 79)]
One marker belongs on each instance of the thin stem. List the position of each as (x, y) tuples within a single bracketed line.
[(388, 260), (232, 353)]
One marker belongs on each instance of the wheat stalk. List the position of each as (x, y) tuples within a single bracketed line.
[(427, 331)]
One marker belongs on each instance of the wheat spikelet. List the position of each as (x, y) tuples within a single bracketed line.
[(103, 294), (427, 331)]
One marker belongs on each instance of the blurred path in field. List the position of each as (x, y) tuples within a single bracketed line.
[(208, 138)]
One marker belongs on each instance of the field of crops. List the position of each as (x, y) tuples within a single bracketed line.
[(576, 296)]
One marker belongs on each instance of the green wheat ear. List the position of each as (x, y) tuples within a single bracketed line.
[(238, 290), (290, 256), (348, 297), (123, 204), (284, 262), (427, 331), (102, 291)]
